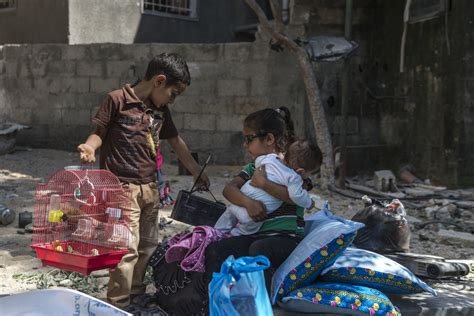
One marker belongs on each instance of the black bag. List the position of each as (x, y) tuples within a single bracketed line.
[(177, 292), (195, 210), (386, 228), (173, 279)]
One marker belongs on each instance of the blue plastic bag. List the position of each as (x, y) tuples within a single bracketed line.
[(239, 289)]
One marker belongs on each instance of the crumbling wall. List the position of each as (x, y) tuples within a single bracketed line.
[(433, 120), (366, 147), (56, 89), (423, 116)]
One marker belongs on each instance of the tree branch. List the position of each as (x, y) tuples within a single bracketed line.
[(261, 16), (276, 10), (277, 36), (323, 137)]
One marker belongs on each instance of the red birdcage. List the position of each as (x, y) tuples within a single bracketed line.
[(81, 220)]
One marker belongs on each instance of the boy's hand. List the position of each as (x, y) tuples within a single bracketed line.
[(203, 183), (86, 153), (259, 177), (256, 211)]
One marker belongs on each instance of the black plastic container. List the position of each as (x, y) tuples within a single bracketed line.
[(7, 216), (24, 219), (196, 210)]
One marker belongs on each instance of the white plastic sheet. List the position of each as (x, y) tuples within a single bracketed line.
[(58, 301)]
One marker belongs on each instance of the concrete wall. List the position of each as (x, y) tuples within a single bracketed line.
[(461, 122), (35, 21), (423, 116), (57, 88), (434, 122), (368, 149), (104, 21), (121, 21)]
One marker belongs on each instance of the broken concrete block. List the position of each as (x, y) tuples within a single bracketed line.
[(384, 180), (453, 237), (406, 174), (412, 219), (446, 212), (424, 236), (429, 187), (443, 201), (442, 214), (449, 194), (372, 192), (418, 191), (469, 226), (428, 212), (8, 133), (465, 214), (465, 204), (467, 193)]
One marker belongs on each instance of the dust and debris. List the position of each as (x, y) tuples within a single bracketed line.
[(21, 170)]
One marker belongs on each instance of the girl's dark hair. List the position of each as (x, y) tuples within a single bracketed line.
[(275, 121), (172, 65)]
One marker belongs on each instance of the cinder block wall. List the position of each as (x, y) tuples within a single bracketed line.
[(56, 89)]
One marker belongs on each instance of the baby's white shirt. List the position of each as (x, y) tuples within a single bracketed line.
[(281, 174)]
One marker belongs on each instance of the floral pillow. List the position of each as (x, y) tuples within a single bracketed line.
[(339, 298), (363, 267), (329, 235)]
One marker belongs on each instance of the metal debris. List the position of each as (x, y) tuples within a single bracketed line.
[(327, 48), (164, 222)]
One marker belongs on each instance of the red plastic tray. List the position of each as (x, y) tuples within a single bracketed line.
[(107, 258)]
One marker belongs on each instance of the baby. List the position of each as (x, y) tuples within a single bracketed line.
[(300, 160)]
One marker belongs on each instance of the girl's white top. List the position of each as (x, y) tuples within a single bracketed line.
[(279, 173)]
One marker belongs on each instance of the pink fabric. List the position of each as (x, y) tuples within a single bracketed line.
[(190, 248), (159, 158)]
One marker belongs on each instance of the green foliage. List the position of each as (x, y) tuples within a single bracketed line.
[(56, 277)]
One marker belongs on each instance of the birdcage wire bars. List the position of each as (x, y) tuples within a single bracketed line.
[(81, 220)]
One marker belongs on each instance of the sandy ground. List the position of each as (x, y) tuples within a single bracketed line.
[(22, 169)]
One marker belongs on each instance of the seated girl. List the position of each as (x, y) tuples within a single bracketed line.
[(300, 160), (278, 235)]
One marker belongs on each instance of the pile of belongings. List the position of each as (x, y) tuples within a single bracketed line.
[(328, 272)]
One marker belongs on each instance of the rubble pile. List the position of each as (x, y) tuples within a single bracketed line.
[(436, 215)]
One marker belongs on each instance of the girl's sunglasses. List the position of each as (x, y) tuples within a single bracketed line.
[(249, 138)]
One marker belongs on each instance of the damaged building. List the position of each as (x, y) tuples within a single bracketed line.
[(408, 94)]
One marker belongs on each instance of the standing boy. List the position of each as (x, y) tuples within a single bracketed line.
[(129, 125)]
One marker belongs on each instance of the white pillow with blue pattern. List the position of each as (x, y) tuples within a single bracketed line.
[(327, 236), (332, 298), (363, 267)]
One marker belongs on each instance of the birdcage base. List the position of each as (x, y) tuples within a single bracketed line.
[(75, 262)]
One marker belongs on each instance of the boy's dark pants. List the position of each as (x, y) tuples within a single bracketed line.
[(127, 278)]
